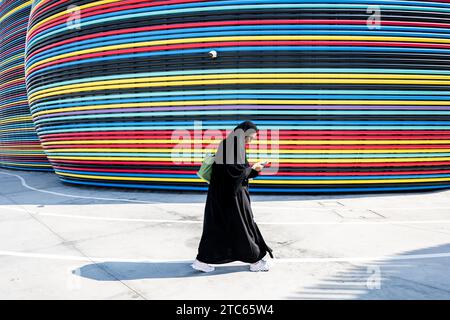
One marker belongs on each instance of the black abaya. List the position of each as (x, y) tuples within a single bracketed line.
[(229, 231)]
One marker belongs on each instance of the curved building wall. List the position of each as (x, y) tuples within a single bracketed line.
[(122, 92), (19, 144)]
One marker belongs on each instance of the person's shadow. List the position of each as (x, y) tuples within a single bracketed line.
[(118, 271)]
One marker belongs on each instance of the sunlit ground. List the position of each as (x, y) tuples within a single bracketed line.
[(68, 242)]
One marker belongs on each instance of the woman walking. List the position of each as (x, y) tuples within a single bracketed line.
[(229, 231)]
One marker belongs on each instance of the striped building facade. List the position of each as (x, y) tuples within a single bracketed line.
[(355, 94), (19, 145)]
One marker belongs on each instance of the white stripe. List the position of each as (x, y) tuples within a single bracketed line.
[(259, 222), (284, 260), (255, 205), (332, 223), (78, 258), (384, 222), (25, 185), (119, 219)]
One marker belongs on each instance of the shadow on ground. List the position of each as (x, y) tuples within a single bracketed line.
[(419, 274), (422, 277), (122, 271)]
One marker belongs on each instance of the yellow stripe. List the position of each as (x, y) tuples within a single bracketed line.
[(128, 178), (238, 38), (16, 57), (6, 15), (17, 119), (26, 165), (6, 105), (272, 76), (23, 154), (181, 150), (24, 147), (35, 150), (259, 181), (243, 102), (19, 129), (66, 12), (259, 142), (13, 81), (199, 160), (10, 68), (243, 81)]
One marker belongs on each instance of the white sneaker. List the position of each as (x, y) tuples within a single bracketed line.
[(201, 266), (261, 265)]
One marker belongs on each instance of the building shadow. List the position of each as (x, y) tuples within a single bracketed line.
[(412, 275), (124, 271)]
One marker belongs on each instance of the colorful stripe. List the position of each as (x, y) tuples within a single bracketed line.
[(19, 145), (119, 100)]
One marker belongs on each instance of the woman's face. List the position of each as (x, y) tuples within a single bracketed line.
[(250, 138)]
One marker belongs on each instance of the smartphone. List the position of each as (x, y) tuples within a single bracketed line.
[(265, 163)]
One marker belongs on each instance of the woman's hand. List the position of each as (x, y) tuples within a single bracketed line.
[(258, 166)]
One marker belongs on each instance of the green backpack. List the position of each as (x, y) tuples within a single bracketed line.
[(205, 170)]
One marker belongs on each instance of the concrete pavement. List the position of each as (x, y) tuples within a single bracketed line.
[(68, 242)]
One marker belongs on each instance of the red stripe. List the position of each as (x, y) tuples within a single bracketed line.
[(222, 23), (284, 165), (280, 173), (228, 23), (281, 138), (260, 147), (387, 173), (326, 132), (128, 170), (107, 8), (241, 44)]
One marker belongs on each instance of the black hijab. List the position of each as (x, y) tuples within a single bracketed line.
[(235, 141), (247, 127)]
